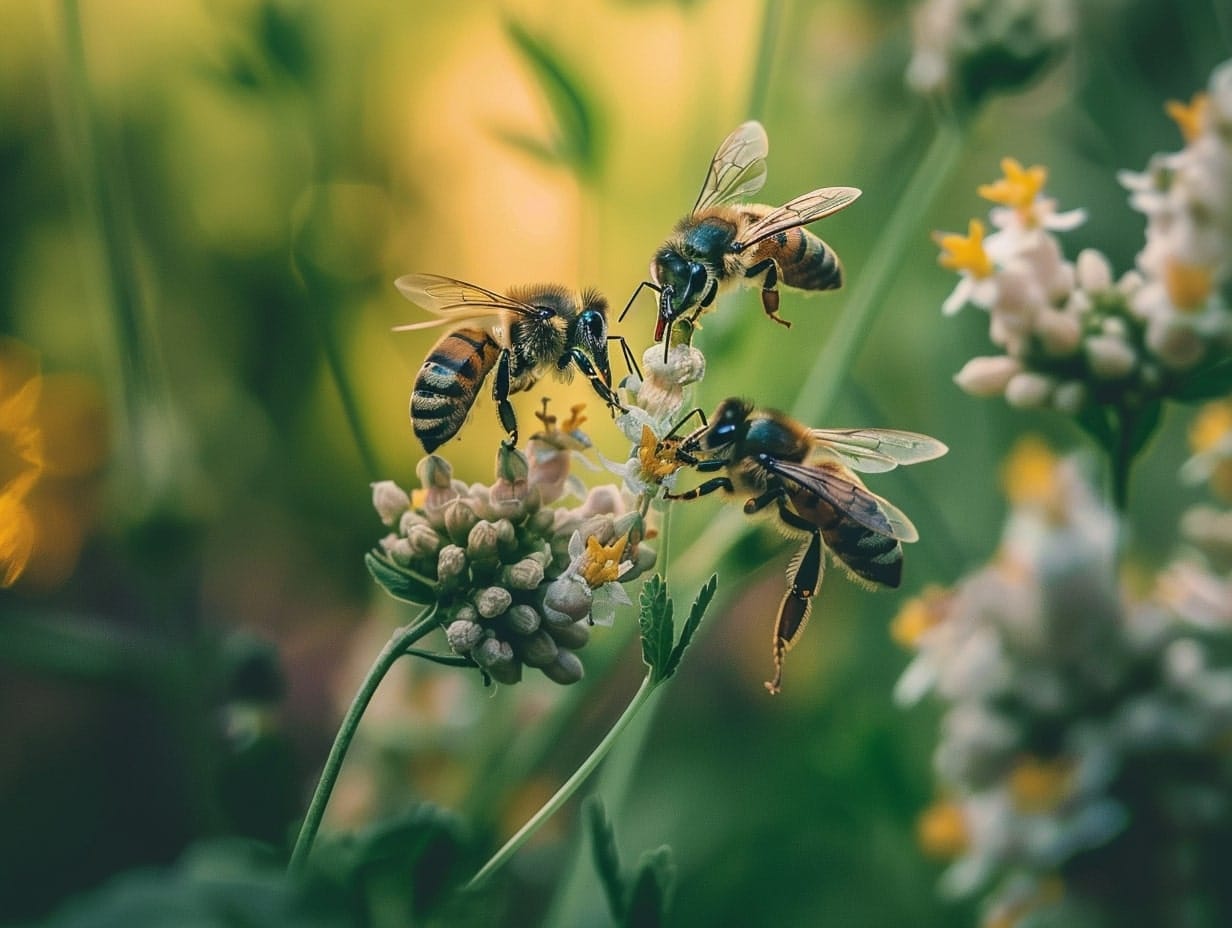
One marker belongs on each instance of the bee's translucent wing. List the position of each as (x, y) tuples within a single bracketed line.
[(873, 451), (738, 168), (806, 208), (455, 301), (829, 483)]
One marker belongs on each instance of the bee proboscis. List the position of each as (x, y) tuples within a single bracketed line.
[(809, 476), (724, 243), (522, 335)]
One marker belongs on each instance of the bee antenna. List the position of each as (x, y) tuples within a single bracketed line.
[(644, 283)]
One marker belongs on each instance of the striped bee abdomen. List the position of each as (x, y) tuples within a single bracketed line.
[(805, 261), (448, 382), (875, 557)]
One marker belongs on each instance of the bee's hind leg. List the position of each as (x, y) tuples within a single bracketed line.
[(804, 579), (769, 289), (500, 393)]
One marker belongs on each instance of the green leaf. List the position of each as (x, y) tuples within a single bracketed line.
[(577, 137), (658, 630), (704, 596), (1142, 426), (1207, 383), (399, 582), (606, 857), (1094, 420), (652, 890)]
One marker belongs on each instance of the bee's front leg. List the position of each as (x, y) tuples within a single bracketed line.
[(769, 288), (600, 386)]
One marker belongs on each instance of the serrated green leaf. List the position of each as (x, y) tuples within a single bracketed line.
[(399, 582), (658, 630), (700, 604), (1207, 383), (606, 857), (576, 144), (651, 892)]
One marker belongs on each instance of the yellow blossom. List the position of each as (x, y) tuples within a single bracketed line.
[(1211, 426), (919, 615), (601, 563), (1018, 188), (967, 253), (1188, 285), (1029, 474), (575, 420), (655, 458), (941, 830), (1039, 785), (1189, 117), (21, 456)]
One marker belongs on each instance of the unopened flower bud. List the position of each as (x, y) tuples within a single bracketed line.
[(1058, 332), (481, 541), (570, 596), (389, 500), (1028, 390), (492, 651), (460, 518), (1070, 397), (463, 636), (523, 619), (1093, 270), (434, 473), (423, 540), (1177, 345), (631, 525), (1111, 358), (506, 672), (537, 649), (409, 520), (543, 521), (987, 376), (643, 561), (511, 465), (450, 562), (603, 499), (398, 549), (506, 535), (573, 635), (526, 574), (600, 527), (466, 613), (566, 669), (492, 601)]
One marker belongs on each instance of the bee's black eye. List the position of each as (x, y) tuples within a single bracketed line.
[(594, 326)]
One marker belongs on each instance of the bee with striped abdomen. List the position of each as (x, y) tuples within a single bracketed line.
[(723, 244), (523, 335), (808, 474)]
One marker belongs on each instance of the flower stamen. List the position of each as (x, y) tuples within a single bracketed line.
[(965, 253)]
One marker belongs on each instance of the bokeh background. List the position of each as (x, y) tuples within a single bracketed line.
[(204, 205)]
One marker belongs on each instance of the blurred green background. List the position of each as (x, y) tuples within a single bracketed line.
[(204, 207)]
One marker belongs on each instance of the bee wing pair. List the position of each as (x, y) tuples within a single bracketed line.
[(738, 170), (455, 302), (869, 451)]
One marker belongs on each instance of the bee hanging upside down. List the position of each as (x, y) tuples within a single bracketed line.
[(723, 244), (531, 331), (807, 474)]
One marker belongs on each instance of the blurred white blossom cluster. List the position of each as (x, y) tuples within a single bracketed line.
[(515, 578), (1074, 336), (973, 47), (1085, 753)]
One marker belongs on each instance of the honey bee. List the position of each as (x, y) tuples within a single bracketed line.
[(723, 244), (808, 474), (525, 334)]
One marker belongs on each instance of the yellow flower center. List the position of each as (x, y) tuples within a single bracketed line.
[(1039, 785), (1018, 188), (965, 253), (1050, 891), (1188, 285), (575, 420), (918, 615), (1029, 473), (1190, 117), (601, 563), (1211, 426), (656, 459), (941, 830)]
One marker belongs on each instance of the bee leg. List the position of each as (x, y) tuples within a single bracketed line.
[(758, 503), (769, 288), (716, 483), (804, 578), (645, 283), (600, 387), (630, 361), (500, 393)]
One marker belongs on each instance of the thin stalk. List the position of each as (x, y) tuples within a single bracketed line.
[(830, 370), (772, 16), (569, 787), (397, 646)]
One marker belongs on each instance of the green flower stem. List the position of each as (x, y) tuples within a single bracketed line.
[(395, 648), (569, 787), (873, 284), (771, 18)]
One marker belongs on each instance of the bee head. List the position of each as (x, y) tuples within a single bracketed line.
[(590, 334), (681, 283), (727, 425)]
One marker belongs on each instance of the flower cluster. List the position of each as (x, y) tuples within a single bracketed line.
[(1073, 336), (21, 456), (515, 578), (974, 47), (1084, 749)]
